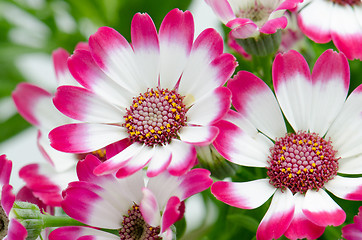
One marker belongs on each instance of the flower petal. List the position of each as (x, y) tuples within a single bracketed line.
[(254, 100), (198, 135), (176, 36), (314, 20), (149, 208), (160, 161), (16, 231), (293, 88), (194, 181), (116, 162), (183, 157), (272, 25), (84, 105), (7, 198), (62, 73), (254, 151), (5, 170), (278, 217), (76, 233), (350, 165), (173, 212), (83, 67), (114, 55), (211, 108), (85, 137), (320, 209), (330, 77), (346, 188), (222, 9), (300, 226), (246, 195)]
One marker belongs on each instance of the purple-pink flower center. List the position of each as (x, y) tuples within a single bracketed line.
[(155, 117), (135, 227), (302, 161), (347, 2)]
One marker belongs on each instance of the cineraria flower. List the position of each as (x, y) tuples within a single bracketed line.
[(162, 93), (353, 231), (35, 104), (127, 205), (11, 229), (321, 21), (249, 18), (327, 140)]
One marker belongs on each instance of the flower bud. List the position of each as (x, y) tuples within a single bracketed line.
[(261, 45)]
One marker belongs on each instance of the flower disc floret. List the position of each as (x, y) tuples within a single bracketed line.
[(155, 117), (302, 161), (135, 227)]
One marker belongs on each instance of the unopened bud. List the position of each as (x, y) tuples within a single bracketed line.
[(262, 45)]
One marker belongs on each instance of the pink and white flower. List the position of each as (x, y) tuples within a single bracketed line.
[(249, 18), (128, 203), (327, 140), (163, 92), (11, 228), (336, 20), (353, 231)]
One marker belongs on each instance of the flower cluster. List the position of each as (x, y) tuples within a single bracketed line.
[(134, 129)]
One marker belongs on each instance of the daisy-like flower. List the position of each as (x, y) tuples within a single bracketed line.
[(162, 93), (327, 140), (11, 229), (249, 18), (128, 205), (353, 231), (321, 21)]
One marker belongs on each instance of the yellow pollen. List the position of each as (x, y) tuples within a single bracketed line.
[(174, 96), (313, 164), (139, 101), (283, 169), (310, 142), (141, 98), (288, 169), (148, 134), (284, 148), (315, 144), (130, 127), (313, 148), (162, 127), (170, 100), (155, 136), (278, 161), (179, 107), (322, 157), (152, 131), (157, 95), (168, 130), (127, 125), (282, 158), (305, 170), (174, 104), (177, 117), (318, 152), (300, 142), (151, 94), (130, 117), (168, 125), (320, 147), (138, 133), (299, 172), (305, 140), (290, 175), (294, 141), (132, 133), (311, 170), (159, 132), (166, 97), (135, 105)]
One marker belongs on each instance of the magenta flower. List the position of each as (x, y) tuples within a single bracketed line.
[(249, 18), (336, 20), (300, 165), (353, 231), (127, 203), (162, 93), (11, 228)]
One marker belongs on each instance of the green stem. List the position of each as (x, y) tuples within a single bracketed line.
[(60, 221)]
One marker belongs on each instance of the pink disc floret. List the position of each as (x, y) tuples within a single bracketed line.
[(302, 161), (155, 117)]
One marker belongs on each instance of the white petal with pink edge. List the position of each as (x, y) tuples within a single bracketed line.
[(7, 198), (193, 182), (83, 67), (345, 187), (114, 55), (222, 9), (254, 100), (330, 88), (198, 135), (345, 139), (136, 162), (172, 212), (293, 88), (75, 232), (241, 148), (278, 217), (176, 36), (346, 34), (149, 208), (183, 157), (320, 209), (146, 48), (85, 137), (84, 105), (36, 106), (350, 165), (300, 226), (314, 19), (5, 170), (272, 25), (114, 163), (62, 73), (212, 76), (246, 195), (160, 161), (210, 108), (207, 47)]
